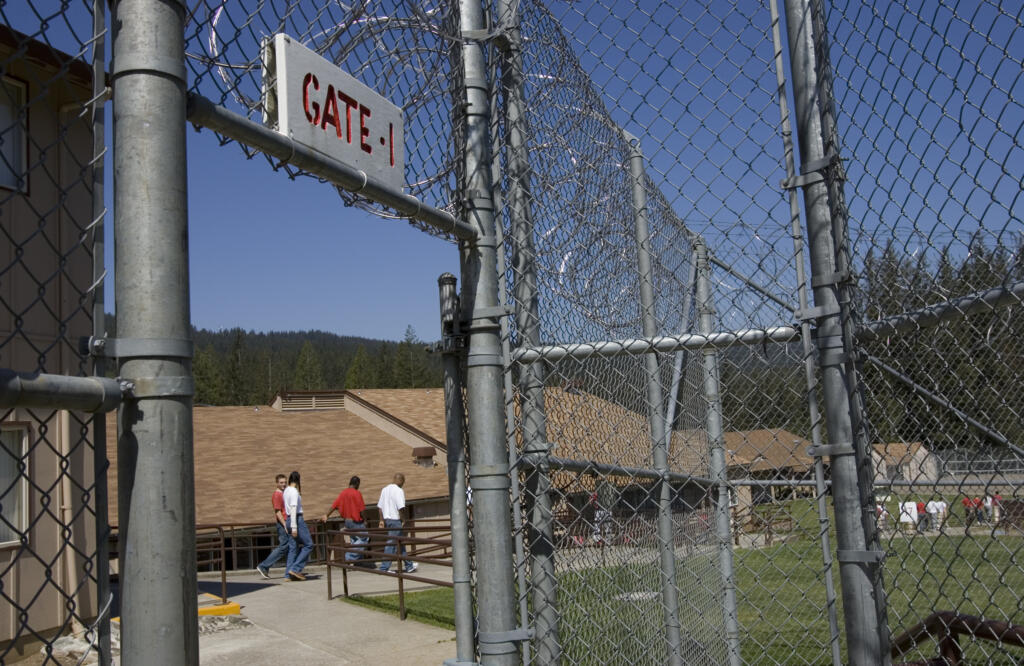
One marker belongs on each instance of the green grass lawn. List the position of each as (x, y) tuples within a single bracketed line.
[(428, 606), (613, 614)]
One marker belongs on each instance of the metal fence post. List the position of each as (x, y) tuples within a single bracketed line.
[(659, 436), (489, 468), (859, 567), (810, 363), (454, 418), (155, 469), (716, 440), (540, 527)]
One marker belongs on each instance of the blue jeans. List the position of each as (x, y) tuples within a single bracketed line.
[(297, 557), (284, 546), (394, 528)]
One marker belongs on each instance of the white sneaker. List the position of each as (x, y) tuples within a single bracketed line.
[(263, 572), (412, 567)]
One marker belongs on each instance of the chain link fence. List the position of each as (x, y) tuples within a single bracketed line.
[(53, 505), (760, 289), (923, 187)]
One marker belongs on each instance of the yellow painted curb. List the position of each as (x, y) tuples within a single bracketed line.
[(230, 608)]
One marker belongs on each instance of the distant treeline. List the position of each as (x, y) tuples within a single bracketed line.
[(237, 367)]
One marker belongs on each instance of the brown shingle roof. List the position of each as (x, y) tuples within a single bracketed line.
[(897, 452), (586, 427), (239, 450), (423, 409), (766, 450)]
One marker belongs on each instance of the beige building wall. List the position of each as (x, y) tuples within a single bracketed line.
[(44, 309)]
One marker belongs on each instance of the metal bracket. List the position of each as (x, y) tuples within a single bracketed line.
[(797, 182), (817, 312), (139, 347), (489, 477), (484, 360), (490, 642), (838, 277), (829, 359), (817, 165), (860, 556), (493, 311), (831, 450), (140, 388)]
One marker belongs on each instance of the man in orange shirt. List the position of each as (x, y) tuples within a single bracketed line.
[(284, 539)]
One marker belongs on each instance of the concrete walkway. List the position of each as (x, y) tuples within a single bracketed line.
[(293, 622)]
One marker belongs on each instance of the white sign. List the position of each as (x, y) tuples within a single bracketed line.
[(315, 103)]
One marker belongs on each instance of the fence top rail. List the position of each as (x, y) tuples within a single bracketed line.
[(664, 344)]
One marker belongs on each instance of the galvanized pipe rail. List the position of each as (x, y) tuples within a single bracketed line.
[(37, 389), (979, 302), (656, 344)]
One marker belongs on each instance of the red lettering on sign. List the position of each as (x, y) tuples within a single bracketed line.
[(349, 105), (364, 131), (313, 118), (331, 112)]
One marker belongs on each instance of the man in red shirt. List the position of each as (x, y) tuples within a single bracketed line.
[(284, 539), (350, 507)]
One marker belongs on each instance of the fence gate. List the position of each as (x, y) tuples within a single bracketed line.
[(763, 267)]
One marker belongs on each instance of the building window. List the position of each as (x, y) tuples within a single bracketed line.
[(13, 133), (13, 482)]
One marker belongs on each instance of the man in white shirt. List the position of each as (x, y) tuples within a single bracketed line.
[(932, 509), (392, 512)]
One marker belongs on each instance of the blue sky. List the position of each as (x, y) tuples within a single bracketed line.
[(269, 253), (927, 110)]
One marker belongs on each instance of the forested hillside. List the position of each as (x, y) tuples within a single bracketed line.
[(237, 367)]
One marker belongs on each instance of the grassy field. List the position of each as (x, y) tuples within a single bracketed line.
[(612, 614)]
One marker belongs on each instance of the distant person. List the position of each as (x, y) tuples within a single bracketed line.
[(350, 506), (297, 556), (908, 516), (922, 516), (987, 507), (968, 510), (284, 540), (932, 513), (997, 507), (943, 512), (393, 512), (979, 509)]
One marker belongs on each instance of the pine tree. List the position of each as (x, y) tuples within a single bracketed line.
[(209, 377), (411, 369), (361, 372), (235, 390), (308, 370)]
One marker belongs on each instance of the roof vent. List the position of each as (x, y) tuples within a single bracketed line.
[(424, 456)]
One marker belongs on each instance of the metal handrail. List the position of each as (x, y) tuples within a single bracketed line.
[(426, 550)]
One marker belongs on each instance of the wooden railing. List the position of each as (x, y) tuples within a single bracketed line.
[(947, 627)]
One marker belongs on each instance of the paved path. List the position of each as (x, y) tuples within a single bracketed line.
[(293, 622)]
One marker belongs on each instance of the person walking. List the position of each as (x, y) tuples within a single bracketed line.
[(350, 506), (297, 556), (284, 539), (393, 512)]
